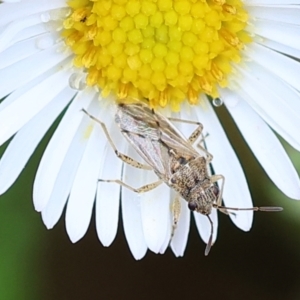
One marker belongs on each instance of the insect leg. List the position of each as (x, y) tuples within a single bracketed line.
[(215, 178), (196, 133), (125, 158), (209, 156), (142, 189)]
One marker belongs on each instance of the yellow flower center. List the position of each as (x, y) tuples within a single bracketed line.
[(163, 50)]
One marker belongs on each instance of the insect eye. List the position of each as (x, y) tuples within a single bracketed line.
[(192, 206)]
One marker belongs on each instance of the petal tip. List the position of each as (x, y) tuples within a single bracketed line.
[(138, 256), (74, 235), (49, 225), (177, 253), (105, 242)]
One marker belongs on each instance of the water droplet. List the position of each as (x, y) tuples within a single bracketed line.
[(45, 17), (77, 81), (59, 14), (217, 102), (44, 42), (52, 25)]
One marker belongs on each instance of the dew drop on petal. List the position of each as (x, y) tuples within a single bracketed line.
[(217, 102), (53, 25), (77, 81), (60, 14), (44, 43), (45, 17)]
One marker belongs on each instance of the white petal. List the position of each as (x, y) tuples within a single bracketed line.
[(278, 13), (26, 48), (284, 67), (166, 243), (225, 162), (83, 192), (29, 32), (204, 227), (57, 149), (180, 238), (280, 47), (18, 113), (131, 211), (10, 12), (64, 180), (286, 34), (269, 106), (10, 1), (26, 88), (285, 94), (16, 26), (27, 139), (271, 2), (155, 209), (264, 144), (108, 194), (34, 65)]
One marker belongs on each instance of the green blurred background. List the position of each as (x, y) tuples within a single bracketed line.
[(262, 264)]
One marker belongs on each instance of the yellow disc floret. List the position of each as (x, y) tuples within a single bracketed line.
[(165, 51)]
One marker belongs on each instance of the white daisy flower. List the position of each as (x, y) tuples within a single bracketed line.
[(58, 57)]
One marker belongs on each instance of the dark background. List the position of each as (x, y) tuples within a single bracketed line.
[(262, 264)]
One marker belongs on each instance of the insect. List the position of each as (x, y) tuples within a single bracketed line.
[(173, 159)]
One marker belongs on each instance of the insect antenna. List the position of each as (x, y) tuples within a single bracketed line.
[(256, 208), (224, 208), (209, 243)]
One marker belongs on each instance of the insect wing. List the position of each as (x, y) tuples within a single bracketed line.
[(153, 137), (174, 140), (140, 129)]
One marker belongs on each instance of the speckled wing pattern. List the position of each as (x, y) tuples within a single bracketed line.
[(155, 138)]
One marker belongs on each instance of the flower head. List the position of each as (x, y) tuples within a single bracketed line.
[(64, 56), (165, 51)]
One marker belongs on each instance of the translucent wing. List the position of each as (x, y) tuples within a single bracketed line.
[(155, 138)]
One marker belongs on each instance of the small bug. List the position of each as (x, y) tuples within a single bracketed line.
[(173, 159)]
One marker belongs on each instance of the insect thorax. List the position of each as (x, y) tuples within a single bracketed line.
[(193, 183)]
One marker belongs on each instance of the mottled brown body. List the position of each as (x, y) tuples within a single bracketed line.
[(173, 159), (171, 156), (194, 184)]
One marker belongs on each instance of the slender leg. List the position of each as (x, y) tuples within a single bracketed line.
[(203, 138), (209, 156), (215, 178), (194, 136), (142, 189), (122, 156), (196, 133)]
